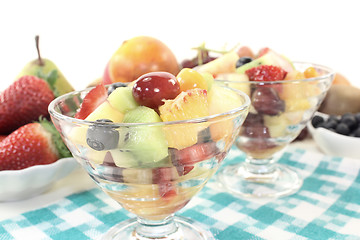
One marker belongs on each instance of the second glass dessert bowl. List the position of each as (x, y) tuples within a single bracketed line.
[(279, 111), (132, 163)]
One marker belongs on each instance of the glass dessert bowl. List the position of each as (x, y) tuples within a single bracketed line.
[(137, 165), (279, 111)]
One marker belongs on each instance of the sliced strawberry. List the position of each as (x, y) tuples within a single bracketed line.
[(92, 100), (163, 177), (185, 159), (262, 52), (31, 144), (265, 73), (23, 102)]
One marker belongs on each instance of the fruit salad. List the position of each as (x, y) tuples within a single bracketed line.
[(153, 143), (280, 101)]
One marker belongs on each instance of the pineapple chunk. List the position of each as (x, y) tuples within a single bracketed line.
[(187, 105)]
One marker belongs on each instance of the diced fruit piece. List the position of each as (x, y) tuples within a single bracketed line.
[(163, 177), (91, 101), (224, 64), (147, 143), (152, 88), (124, 159), (122, 99), (185, 159), (264, 73), (189, 79), (277, 125), (245, 51), (311, 72), (240, 81), (24, 101), (101, 136), (266, 101), (270, 58), (295, 75), (222, 99), (187, 105), (263, 51), (209, 79), (105, 111)]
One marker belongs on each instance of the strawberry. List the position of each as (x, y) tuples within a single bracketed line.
[(24, 101), (35, 143), (185, 158), (266, 73), (163, 177), (2, 137), (262, 52), (92, 100)]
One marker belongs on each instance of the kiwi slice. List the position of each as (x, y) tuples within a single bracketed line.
[(270, 58), (147, 143), (122, 99)]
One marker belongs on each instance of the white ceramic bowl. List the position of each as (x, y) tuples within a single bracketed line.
[(334, 144), (29, 182)]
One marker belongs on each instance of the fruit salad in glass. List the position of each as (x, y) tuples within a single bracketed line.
[(152, 144), (284, 96)]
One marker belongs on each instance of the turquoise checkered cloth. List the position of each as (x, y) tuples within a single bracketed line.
[(326, 207)]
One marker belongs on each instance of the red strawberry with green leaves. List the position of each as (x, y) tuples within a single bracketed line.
[(92, 100), (24, 101), (33, 144)]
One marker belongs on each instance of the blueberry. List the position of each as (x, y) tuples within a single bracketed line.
[(242, 61), (343, 129), (349, 120), (316, 120), (330, 124), (101, 136), (357, 117), (356, 133), (114, 86), (333, 118)]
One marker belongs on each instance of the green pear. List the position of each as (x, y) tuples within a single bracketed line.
[(47, 70)]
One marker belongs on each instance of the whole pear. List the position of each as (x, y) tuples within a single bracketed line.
[(47, 70)]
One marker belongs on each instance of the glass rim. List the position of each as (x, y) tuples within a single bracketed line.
[(330, 73), (53, 113)]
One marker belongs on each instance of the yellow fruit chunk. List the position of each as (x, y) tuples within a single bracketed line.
[(187, 105), (277, 125), (106, 111), (311, 72), (189, 79), (239, 81), (221, 100)]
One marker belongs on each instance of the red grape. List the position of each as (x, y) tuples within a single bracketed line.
[(266, 101), (152, 88)]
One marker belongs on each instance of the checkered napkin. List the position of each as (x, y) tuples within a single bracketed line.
[(326, 207)]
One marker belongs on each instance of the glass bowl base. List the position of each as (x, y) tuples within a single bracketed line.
[(187, 230), (283, 181)]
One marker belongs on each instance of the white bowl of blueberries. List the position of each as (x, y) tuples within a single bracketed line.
[(337, 135)]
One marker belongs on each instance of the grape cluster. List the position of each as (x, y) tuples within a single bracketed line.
[(203, 55), (347, 124)]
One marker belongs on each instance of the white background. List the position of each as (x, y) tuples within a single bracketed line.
[(81, 36)]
